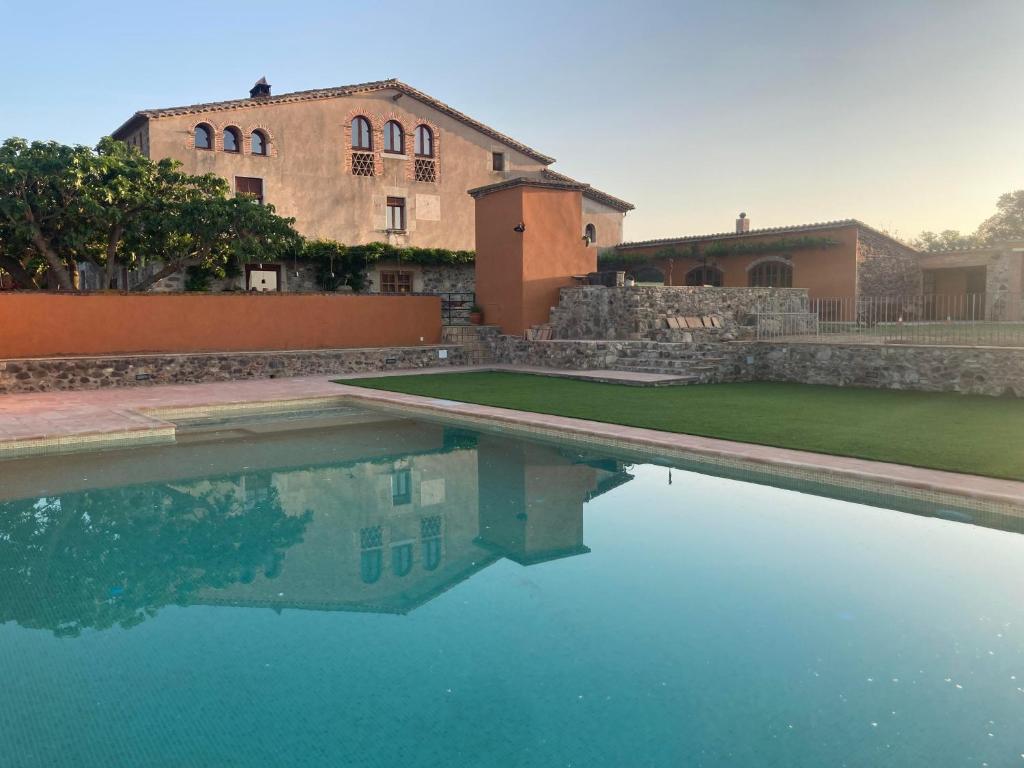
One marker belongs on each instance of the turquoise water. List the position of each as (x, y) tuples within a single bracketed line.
[(373, 591)]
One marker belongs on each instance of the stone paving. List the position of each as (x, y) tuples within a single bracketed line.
[(56, 422)]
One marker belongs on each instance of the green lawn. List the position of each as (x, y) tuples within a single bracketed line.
[(979, 435)]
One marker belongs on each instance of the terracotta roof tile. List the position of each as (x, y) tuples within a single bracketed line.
[(591, 192), (764, 231)]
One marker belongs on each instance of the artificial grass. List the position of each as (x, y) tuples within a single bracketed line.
[(959, 433)]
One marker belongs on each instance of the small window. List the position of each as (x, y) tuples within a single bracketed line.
[(203, 137), (245, 185), (401, 487), (395, 282), (258, 143), (396, 213), (361, 138), (394, 137), (424, 141), (590, 232), (704, 275), (497, 161), (370, 562), (771, 274), (232, 140)]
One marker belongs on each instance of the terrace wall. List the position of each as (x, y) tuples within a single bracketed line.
[(68, 373), (639, 312), (46, 325)]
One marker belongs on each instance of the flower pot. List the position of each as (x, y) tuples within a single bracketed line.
[(476, 317)]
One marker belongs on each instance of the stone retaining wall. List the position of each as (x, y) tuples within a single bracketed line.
[(65, 373), (968, 370), (596, 312), (997, 371)]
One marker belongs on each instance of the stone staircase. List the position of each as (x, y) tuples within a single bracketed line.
[(697, 362), (475, 340)]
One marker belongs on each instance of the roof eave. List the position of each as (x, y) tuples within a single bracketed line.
[(129, 124)]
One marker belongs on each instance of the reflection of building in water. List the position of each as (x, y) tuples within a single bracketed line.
[(389, 534), (365, 512)]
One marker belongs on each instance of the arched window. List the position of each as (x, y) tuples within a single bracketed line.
[(232, 140), (590, 232), (370, 565), (203, 136), (771, 274), (401, 559), (394, 137), (431, 553), (704, 275), (361, 133), (424, 141), (258, 143)]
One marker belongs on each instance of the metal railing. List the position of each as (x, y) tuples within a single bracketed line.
[(455, 307), (967, 319)]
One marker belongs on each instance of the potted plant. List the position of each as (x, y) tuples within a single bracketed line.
[(476, 314)]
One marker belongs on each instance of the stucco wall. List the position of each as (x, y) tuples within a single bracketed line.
[(824, 272), (306, 176), (43, 324)]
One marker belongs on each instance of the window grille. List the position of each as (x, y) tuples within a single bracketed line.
[(362, 164)]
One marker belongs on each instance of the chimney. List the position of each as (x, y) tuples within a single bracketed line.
[(261, 90), (742, 224)]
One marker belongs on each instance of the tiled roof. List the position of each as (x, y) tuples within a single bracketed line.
[(591, 192), (330, 93), (527, 181), (765, 231)]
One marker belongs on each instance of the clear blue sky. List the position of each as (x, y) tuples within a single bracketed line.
[(907, 115)]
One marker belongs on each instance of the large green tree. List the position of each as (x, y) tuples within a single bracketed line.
[(113, 207), (1008, 221)]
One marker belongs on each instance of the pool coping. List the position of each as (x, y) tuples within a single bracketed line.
[(148, 421)]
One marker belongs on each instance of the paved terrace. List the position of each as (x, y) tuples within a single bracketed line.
[(60, 422)]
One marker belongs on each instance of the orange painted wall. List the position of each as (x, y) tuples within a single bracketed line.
[(518, 275), (824, 272), (553, 250), (46, 324), (499, 258)]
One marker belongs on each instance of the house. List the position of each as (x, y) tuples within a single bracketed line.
[(378, 161), (832, 259)]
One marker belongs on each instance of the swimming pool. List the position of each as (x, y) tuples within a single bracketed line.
[(366, 589)]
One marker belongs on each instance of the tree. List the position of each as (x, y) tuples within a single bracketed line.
[(113, 207), (947, 240), (42, 196), (1008, 221)]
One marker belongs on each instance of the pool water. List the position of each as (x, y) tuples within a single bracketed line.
[(368, 590)]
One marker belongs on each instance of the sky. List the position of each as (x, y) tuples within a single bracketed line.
[(906, 115)]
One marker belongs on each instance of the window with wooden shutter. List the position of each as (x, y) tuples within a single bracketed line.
[(394, 281), (246, 185)]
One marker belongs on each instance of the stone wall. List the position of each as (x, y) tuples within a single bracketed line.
[(967, 370), (639, 312), (459, 278), (66, 373), (886, 268)]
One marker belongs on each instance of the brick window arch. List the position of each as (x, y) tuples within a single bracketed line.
[(232, 138), (362, 134), (424, 141), (259, 144), (202, 136), (394, 137)]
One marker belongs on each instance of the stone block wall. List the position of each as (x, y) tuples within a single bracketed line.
[(994, 371), (596, 312), (67, 373), (886, 268)]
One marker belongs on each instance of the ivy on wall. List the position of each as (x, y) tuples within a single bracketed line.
[(717, 249), (338, 264)]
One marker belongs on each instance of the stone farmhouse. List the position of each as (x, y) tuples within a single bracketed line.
[(378, 161)]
